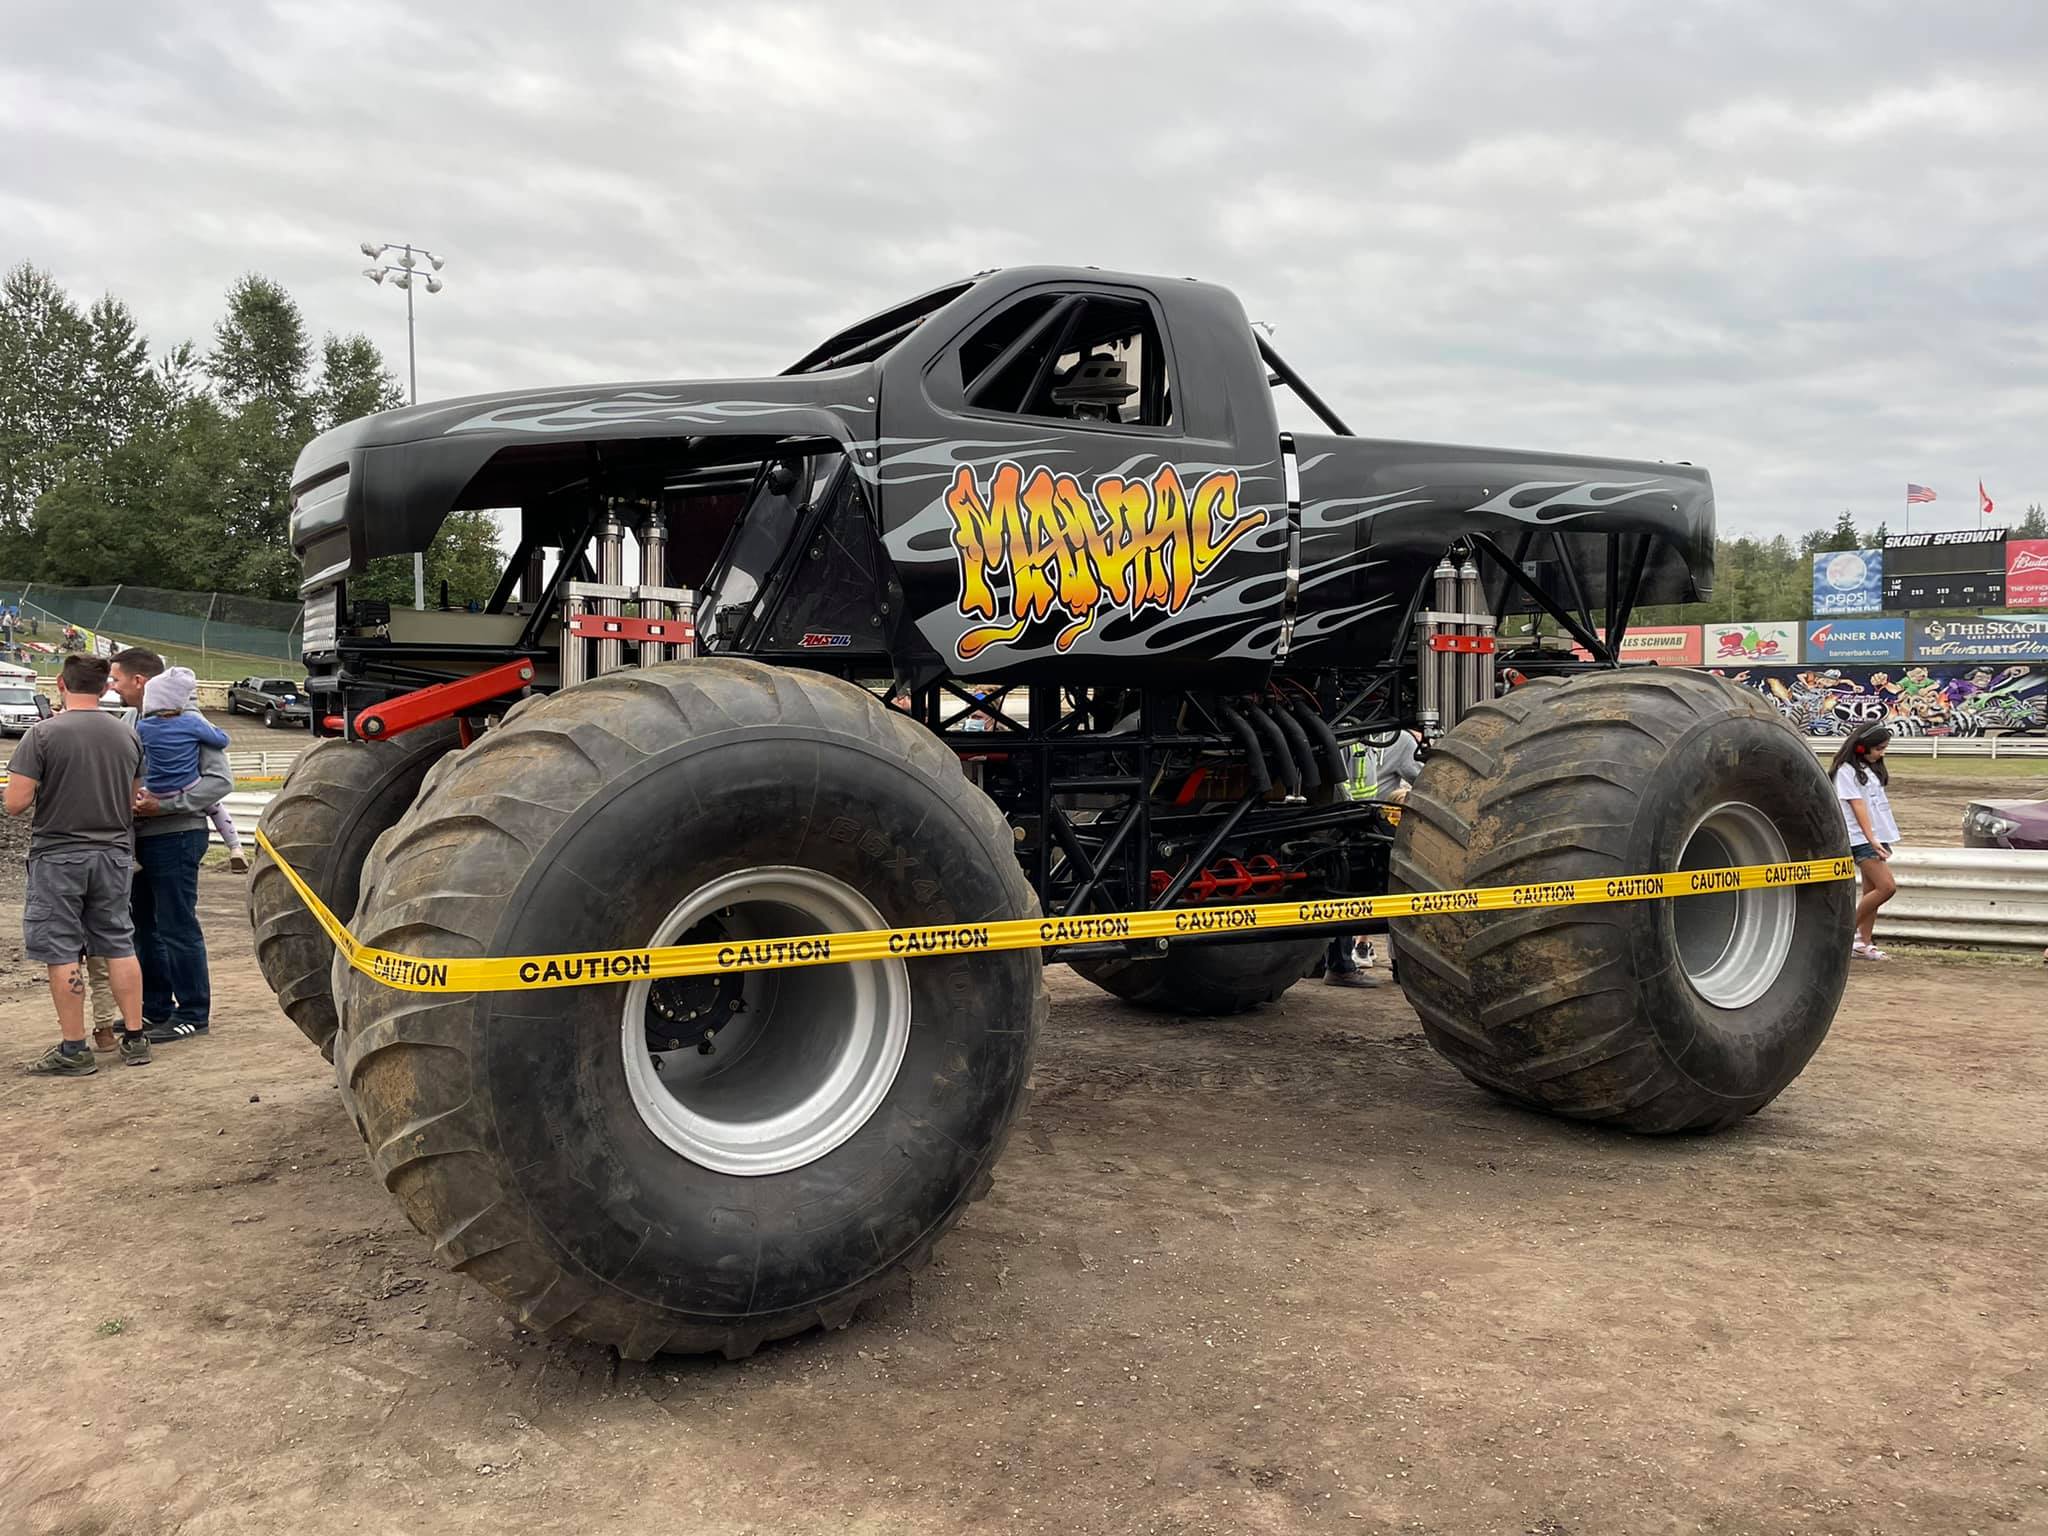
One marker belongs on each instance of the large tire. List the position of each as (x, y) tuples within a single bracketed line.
[(1206, 980), (1657, 1016), (514, 1127), (339, 797)]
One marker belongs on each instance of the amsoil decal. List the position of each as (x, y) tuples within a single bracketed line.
[(1125, 544), (2026, 573), (818, 640)]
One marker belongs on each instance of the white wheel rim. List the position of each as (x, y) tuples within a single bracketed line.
[(807, 1061), (1733, 945)]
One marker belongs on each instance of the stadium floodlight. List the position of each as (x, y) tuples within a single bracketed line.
[(401, 274)]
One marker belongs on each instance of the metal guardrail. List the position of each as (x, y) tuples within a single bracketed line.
[(1994, 898), (1994, 747), (262, 765), (246, 807)]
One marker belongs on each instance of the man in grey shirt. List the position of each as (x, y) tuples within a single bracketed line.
[(78, 771), (170, 840)]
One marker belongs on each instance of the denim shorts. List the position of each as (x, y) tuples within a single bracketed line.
[(1862, 851), (78, 905)]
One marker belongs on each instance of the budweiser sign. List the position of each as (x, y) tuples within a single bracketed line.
[(2026, 573)]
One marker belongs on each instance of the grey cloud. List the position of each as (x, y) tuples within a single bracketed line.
[(1802, 245)]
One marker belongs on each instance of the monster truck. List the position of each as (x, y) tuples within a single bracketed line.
[(1012, 601)]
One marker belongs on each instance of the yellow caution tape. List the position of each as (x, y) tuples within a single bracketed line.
[(532, 973)]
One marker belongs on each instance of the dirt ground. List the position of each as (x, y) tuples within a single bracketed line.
[(1929, 797), (1282, 1273), (247, 733)]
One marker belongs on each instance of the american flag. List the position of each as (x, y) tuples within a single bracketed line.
[(1917, 493)]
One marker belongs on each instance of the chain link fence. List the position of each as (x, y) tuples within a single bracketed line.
[(218, 635)]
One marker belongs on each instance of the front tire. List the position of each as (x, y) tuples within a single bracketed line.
[(338, 799), (1670, 1015), (864, 1105)]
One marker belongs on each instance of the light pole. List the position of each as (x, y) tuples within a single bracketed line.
[(402, 272)]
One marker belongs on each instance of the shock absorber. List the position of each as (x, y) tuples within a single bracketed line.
[(611, 560), (1438, 669), (1470, 599)]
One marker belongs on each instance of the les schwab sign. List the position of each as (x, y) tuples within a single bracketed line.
[(1670, 645)]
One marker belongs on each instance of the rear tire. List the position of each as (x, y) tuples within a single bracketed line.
[(1206, 980), (1683, 1014), (339, 797), (525, 1133)]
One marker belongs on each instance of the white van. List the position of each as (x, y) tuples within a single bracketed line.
[(20, 705)]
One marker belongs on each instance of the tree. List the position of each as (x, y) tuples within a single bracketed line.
[(117, 388), (464, 554), (1843, 535), (353, 381), (260, 352), (43, 346), (258, 364), (175, 474), (2034, 525)]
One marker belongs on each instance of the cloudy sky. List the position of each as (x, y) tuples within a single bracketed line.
[(1806, 245)]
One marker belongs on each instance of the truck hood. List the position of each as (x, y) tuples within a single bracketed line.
[(382, 484)]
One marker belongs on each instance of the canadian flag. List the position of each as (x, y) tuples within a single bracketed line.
[(1984, 499)]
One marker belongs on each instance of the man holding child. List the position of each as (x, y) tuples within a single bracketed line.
[(186, 777)]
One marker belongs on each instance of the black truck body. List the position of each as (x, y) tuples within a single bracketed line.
[(982, 537)]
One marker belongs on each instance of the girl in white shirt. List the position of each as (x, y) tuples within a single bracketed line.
[(1860, 783)]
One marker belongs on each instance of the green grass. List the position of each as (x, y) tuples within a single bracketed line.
[(1990, 770), (210, 665), (112, 1326)]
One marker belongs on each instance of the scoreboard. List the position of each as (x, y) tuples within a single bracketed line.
[(1964, 569)]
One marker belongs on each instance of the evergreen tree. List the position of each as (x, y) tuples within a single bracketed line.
[(44, 341), (2034, 525), (353, 381), (260, 352)]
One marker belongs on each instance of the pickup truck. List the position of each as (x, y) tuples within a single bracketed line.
[(1016, 600), (278, 700)]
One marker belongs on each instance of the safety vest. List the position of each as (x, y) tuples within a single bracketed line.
[(1365, 773)]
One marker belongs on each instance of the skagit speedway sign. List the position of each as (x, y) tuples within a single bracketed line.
[(2026, 573)]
